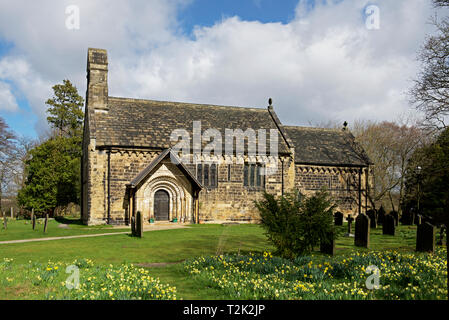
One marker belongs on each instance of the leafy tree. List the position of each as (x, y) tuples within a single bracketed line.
[(432, 179), (53, 168), (52, 176), (296, 224), (66, 114)]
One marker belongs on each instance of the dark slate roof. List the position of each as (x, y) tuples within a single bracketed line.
[(149, 124), (166, 153), (326, 147)]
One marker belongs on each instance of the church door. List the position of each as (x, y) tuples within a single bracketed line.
[(161, 205)]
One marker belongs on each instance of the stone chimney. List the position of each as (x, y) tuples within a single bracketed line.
[(97, 80)]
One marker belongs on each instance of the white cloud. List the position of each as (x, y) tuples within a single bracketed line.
[(322, 65), (7, 99)]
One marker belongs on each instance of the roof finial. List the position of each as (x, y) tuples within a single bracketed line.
[(270, 102), (345, 126)]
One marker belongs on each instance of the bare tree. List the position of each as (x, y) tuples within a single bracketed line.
[(7, 148), (389, 145), (430, 92)]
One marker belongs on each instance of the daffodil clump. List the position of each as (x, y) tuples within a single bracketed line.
[(401, 276), (83, 280)]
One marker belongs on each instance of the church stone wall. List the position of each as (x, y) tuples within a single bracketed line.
[(341, 182)]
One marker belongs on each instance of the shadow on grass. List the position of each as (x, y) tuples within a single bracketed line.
[(69, 221)]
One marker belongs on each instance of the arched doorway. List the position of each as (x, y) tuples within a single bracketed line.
[(161, 205)]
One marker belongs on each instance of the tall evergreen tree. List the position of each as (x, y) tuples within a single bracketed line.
[(53, 171), (65, 109)]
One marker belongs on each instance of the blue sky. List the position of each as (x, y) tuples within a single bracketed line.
[(316, 59), (208, 12), (198, 13)]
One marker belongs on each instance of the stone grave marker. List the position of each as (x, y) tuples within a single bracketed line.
[(418, 219), (425, 238), (46, 223), (338, 218), (133, 225), (372, 218), (389, 225), (381, 215), (328, 247), (350, 219), (139, 225), (362, 230)]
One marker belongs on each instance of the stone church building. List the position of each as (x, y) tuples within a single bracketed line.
[(129, 162)]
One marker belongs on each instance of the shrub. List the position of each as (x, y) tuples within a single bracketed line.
[(295, 224)]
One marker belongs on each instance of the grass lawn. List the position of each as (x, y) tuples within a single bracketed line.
[(167, 247), (22, 229)]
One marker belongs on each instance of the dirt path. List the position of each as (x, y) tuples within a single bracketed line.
[(145, 229)]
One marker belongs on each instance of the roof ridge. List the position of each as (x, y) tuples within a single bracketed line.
[(187, 103), (314, 128)]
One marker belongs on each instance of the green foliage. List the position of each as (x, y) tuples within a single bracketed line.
[(433, 179), (296, 224), (65, 109), (54, 168), (406, 276), (53, 175)]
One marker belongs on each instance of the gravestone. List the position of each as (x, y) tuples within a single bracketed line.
[(338, 218), (362, 230), (139, 225), (395, 215), (34, 221), (350, 219), (133, 225), (328, 246), (389, 225), (46, 223), (425, 238), (418, 219), (372, 218), (406, 218), (381, 215)]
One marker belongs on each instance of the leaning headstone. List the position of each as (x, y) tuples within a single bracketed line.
[(328, 246), (350, 219), (372, 218), (389, 225), (362, 229), (338, 218), (139, 225), (381, 215), (46, 223), (34, 221), (425, 238)]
